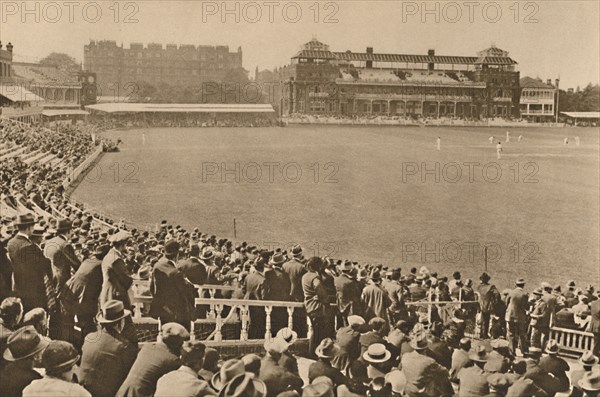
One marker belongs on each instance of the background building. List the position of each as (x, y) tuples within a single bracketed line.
[(348, 83), (118, 68), (538, 99)]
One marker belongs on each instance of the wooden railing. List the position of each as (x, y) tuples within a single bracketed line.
[(572, 341)]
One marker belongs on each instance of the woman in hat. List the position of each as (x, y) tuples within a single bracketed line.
[(59, 360)]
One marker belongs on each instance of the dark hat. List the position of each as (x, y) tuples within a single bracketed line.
[(534, 352), (244, 385), (296, 251), (112, 311), (24, 219), (171, 247), (63, 225), (23, 343), (552, 347), (277, 260), (376, 276), (59, 356), (588, 359), (484, 277)]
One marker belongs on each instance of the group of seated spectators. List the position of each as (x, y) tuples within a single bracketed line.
[(183, 120), (68, 284)]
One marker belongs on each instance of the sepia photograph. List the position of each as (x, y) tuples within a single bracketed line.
[(308, 198)]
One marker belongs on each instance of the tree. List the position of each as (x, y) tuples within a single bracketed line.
[(62, 61)]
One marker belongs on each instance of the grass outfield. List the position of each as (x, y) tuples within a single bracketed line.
[(371, 199)]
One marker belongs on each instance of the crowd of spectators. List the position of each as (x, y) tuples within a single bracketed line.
[(372, 330), (183, 120)]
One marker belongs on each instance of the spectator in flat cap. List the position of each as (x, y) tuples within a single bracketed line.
[(172, 295), (59, 360), (116, 279), (153, 361), (185, 382), (107, 355)]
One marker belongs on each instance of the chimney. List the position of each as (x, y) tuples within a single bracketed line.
[(9, 47), (369, 50), (549, 81), (430, 53)]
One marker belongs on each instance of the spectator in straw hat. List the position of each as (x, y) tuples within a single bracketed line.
[(424, 376), (325, 352), (587, 361), (22, 348), (555, 365), (244, 385), (378, 358), (276, 377), (153, 361), (107, 356), (376, 299), (59, 360), (185, 382)]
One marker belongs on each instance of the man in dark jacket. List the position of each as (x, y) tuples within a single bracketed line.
[(172, 296), (255, 290), (116, 279), (107, 356), (348, 293), (153, 361), (489, 296), (192, 268), (295, 269), (32, 270), (85, 285), (277, 288)]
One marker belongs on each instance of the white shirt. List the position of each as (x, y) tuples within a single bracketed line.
[(54, 387)]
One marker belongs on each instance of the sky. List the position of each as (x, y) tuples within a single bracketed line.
[(547, 38)]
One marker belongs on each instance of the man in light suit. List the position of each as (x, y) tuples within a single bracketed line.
[(517, 302)]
